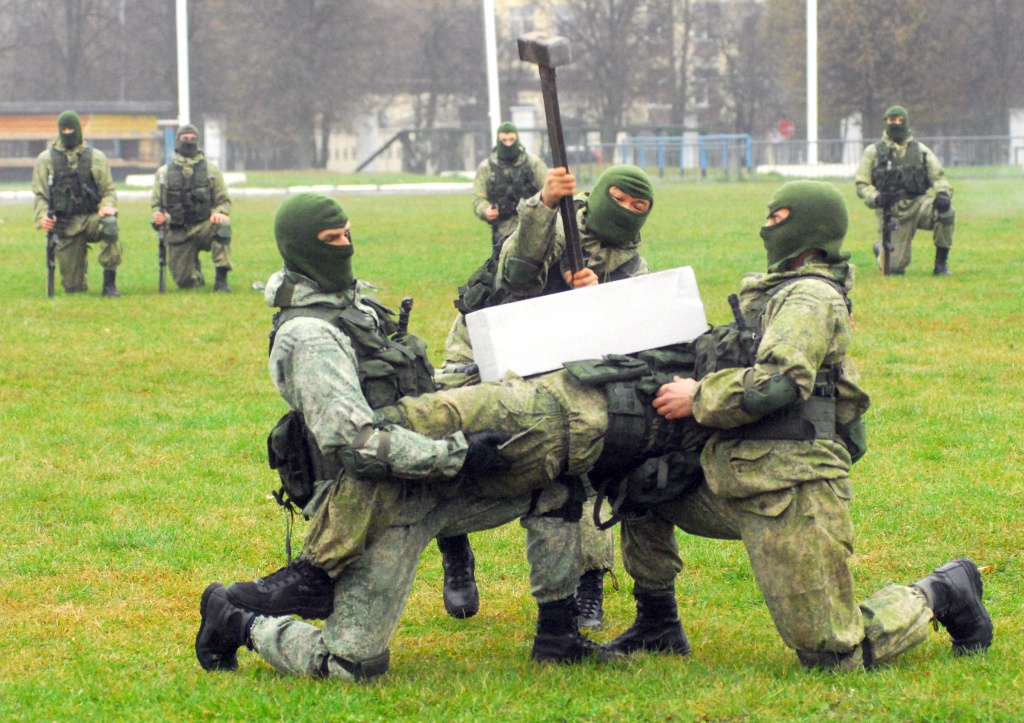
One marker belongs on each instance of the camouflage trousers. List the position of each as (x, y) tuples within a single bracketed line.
[(558, 429), (920, 215), (371, 592), (184, 245), (73, 252), (598, 545), (798, 541)]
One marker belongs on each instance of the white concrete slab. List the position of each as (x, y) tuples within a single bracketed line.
[(539, 335)]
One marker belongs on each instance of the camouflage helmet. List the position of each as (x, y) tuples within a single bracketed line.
[(817, 220)]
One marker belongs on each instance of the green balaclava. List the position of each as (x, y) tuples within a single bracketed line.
[(817, 220), (507, 154), (898, 132), (187, 148), (70, 119), (299, 219), (614, 225)]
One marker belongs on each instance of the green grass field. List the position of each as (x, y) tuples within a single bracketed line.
[(133, 473)]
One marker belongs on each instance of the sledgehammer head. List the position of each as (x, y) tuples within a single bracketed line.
[(543, 49)]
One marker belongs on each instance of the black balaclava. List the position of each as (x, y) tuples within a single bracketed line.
[(187, 148), (507, 154), (299, 219), (898, 132), (70, 119)]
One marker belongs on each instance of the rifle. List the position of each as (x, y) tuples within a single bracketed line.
[(404, 310), (51, 242), (161, 234), (891, 186), (748, 337)]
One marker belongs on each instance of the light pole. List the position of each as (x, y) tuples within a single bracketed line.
[(491, 50), (812, 82)]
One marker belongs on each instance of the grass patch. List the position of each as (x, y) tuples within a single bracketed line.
[(134, 468)]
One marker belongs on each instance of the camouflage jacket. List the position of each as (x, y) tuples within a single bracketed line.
[(100, 173), (481, 201), (314, 367), (805, 325), (540, 241), (867, 191)]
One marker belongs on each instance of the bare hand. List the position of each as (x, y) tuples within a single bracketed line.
[(491, 213), (159, 217), (107, 211), (218, 218), (675, 399), (558, 184), (46, 223), (583, 277)]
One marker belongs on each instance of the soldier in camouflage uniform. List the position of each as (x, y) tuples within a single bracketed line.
[(897, 171), (787, 431), (190, 196), (83, 206), (398, 489), (533, 263), (509, 175)]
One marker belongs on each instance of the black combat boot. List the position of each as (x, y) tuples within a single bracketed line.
[(954, 594), (558, 638), (657, 628), (300, 589), (460, 593), (223, 629), (941, 262), (221, 284), (110, 283), (590, 599)]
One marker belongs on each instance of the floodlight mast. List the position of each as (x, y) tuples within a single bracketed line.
[(491, 49), (181, 22), (812, 82)]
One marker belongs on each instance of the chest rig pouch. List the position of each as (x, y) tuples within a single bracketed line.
[(507, 184), (75, 192), (625, 474), (188, 199), (908, 174)]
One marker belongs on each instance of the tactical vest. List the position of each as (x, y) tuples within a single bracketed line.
[(507, 184), (908, 174), (735, 345), (646, 459), (188, 201), (390, 365), (75, 192)]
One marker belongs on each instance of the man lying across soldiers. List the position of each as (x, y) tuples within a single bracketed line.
[(784, 402), (562, 424), (533, 262)]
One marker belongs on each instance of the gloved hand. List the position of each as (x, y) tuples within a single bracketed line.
[(483, 456), (942, 202), (886, 198)]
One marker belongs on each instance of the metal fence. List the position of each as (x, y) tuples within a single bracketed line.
[(739, 157)]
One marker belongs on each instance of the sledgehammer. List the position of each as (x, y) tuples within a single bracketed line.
[(548, 52)]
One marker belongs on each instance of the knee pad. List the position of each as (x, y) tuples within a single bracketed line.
[(840, 662), (947, 218), (223, 232)]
